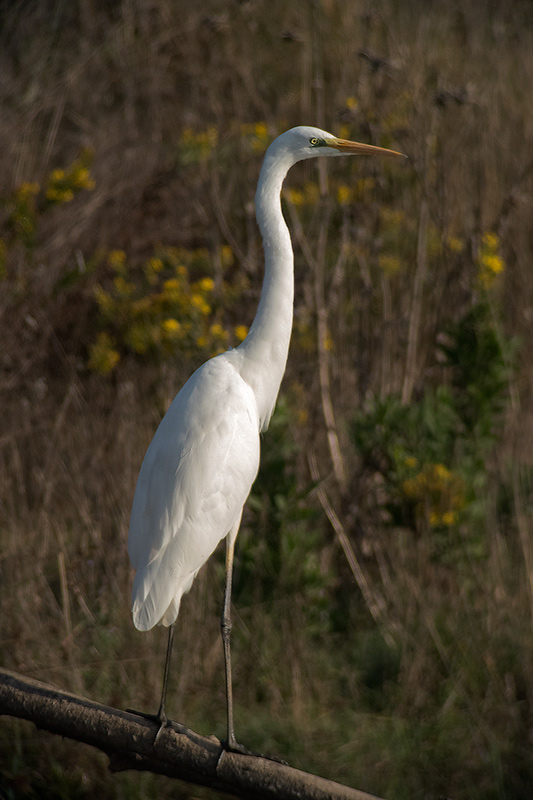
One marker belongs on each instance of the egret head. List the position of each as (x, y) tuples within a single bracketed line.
[(308, 142)]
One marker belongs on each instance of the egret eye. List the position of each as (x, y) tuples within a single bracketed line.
[(314, 141)]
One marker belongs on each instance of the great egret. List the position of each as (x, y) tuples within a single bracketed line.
[(204, 457)]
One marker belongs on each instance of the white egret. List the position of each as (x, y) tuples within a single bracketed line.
[(204, 457)]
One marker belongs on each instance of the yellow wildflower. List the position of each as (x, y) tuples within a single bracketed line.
[(154, 265), (81, 179), (434, 519), (116, 259), (455, 244), (390, 217), (26, 190), (410, 487), (344, 195), (312, 193), (345, 132), (449, 518), (218, 331), (62, 183), (257, 135), (206, 284), (261, 130), (389, 264), (490, 240), (226, 255), (295, 196), (103, 358), (123, 287), (241, 331), (197, 301), (59, 195), (139, 337), (171, 326), (172, 290), (441, 472), (437, 492), (198, 146), (492, 262), (104, 299)]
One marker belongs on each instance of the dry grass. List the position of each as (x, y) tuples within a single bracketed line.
[(447, 709)]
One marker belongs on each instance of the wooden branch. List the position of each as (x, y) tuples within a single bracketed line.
[(129, 741)]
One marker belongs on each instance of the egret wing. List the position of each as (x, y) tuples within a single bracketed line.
[(194, 481)]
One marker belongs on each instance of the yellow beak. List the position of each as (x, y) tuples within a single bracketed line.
[(345, 146)]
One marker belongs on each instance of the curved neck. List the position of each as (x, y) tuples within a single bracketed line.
[(267, 345)]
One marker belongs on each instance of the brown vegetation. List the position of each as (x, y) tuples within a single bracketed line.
[(384, 584)]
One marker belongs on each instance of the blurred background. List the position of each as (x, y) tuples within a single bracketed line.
[(383, 594)]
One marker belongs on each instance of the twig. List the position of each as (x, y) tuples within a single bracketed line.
[(420, 274), (416, 308), (65, 600), (524, 529), (374, 602)]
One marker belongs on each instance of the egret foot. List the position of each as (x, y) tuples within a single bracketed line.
[(161, 719), (235, 747)]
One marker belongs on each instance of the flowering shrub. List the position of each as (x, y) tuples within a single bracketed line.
[(30, 199), (431, 455), (491, 264), (161, 310), (437, 493), (62, 184)]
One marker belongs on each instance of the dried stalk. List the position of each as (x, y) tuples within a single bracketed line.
[(316, 265), (373, 600), (420, 274)]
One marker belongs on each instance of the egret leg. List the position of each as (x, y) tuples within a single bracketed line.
[(225, 626), (161, 715)]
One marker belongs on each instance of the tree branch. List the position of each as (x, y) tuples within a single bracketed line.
[(129, 741)]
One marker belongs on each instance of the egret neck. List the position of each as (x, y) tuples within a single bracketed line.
[(267, 345)]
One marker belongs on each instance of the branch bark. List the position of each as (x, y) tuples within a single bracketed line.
[(128, 740)]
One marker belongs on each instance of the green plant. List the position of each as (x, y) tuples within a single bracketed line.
[(432, 453)]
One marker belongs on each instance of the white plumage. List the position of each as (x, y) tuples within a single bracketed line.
[(193, 483), (204, 457)]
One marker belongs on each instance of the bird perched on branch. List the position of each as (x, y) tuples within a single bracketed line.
[(204, 457)]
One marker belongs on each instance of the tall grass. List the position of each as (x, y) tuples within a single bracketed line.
[(383, 628)]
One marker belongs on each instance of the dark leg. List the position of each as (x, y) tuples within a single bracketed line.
[(161, 716), (225, 626)]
